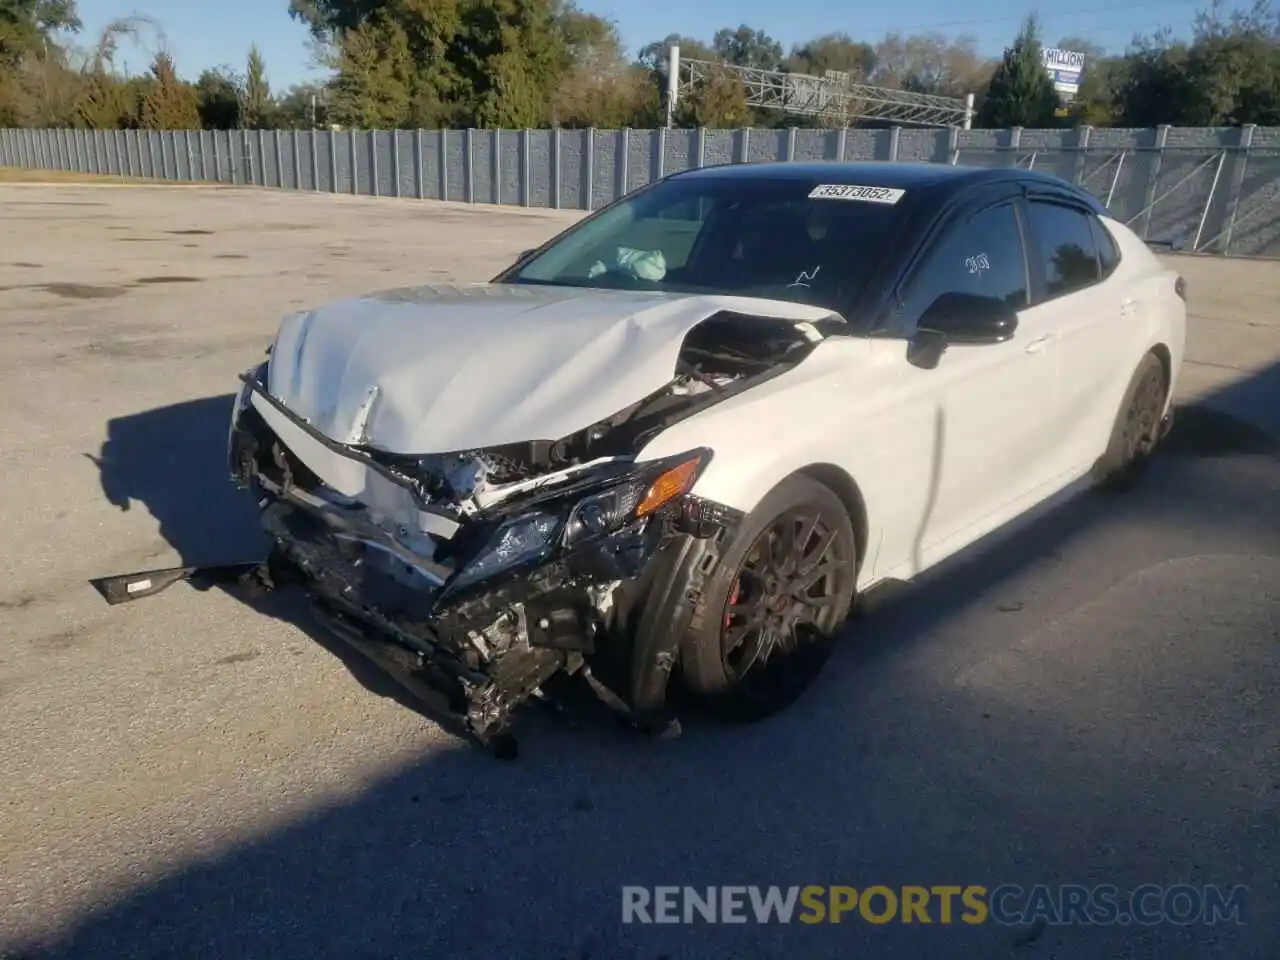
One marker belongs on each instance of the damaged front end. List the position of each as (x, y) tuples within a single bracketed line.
[(475, 577), (486, 597)]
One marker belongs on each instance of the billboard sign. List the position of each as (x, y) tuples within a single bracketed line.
[(1065, 67)]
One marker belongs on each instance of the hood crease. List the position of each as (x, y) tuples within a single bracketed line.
[(464, 368)]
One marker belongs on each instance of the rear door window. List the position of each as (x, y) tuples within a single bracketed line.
[(1064, 247)]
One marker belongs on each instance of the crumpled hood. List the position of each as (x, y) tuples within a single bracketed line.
[(440, 369)]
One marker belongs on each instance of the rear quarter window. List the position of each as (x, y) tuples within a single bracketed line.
[(1108, 251), (1066, 247)]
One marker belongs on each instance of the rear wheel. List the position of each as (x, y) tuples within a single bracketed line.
[(768, 618), (1137, 428)]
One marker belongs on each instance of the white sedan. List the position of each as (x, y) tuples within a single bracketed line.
[(676, 442)]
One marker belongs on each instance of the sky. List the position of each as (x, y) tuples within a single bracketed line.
[(211, 33)]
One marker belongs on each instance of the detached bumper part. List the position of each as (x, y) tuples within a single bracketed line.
[(442, 657), (604, 599)]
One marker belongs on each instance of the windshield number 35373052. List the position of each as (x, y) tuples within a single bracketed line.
[(849, 191)]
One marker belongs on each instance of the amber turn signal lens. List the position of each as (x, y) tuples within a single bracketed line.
[(667, 487)]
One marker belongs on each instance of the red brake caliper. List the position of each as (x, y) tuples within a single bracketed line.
[(734, 592)]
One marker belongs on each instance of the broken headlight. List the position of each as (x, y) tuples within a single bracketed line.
[(515, 542), (635, 498), (531, 535), (602, 513)]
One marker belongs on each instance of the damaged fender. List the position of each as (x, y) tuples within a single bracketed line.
[(539, 541)]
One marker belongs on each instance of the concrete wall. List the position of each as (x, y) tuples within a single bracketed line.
[(1209, 189)]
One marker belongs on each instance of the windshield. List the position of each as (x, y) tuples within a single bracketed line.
[(741, 237)]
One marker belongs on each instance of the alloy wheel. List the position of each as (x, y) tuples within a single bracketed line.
[(1142, 421), (784, 603)]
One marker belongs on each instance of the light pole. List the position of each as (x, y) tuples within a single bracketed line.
[(673, 81)]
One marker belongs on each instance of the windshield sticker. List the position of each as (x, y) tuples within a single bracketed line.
[(848, 191), (977, 264)]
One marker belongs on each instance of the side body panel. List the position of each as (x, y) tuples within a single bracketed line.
[(944, 457), (849, 405), (1102, 333), (1159, 313), (982, 408), (860, 406)]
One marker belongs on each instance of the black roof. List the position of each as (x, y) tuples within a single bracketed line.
[(929, 181), (870, 173)]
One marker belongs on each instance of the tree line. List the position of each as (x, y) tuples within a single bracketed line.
[(539, 63)]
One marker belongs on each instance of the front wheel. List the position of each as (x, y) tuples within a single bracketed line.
[(767, 619)]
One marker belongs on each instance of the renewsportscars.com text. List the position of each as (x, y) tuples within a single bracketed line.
[(1008, 904)]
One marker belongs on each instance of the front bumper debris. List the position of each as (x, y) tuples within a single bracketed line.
[(476, 654), (470, 657)]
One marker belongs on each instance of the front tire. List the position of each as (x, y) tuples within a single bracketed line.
[(766, 623), (1137, 428)]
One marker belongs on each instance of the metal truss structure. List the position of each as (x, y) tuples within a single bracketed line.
[(834, 97)]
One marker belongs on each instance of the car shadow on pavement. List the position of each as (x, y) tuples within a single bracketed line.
[(172, 462), (891, 771)]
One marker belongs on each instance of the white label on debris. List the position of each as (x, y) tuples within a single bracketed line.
[(848, 191), (138, 585)]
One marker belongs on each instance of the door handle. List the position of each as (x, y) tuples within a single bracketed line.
[(1127, 308), (1037, 345)]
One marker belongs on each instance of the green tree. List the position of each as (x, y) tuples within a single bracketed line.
[(512, 55), (1228, 74), (47, 89), (653, 56), (30, 25), (107, 101), (1095, 102), (931, 63), (590, 42), (218, 99), (328, 19), (303, 106), (168, 103), (259, 107), (374, 84), (926, 63), (833, 51), (600, 88), (1021, 92), (422, 36), (38, 85), (446, 62), (105, 104), (717, 100), (747, 47)]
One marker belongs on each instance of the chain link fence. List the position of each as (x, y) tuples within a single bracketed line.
[(1204, 190)]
